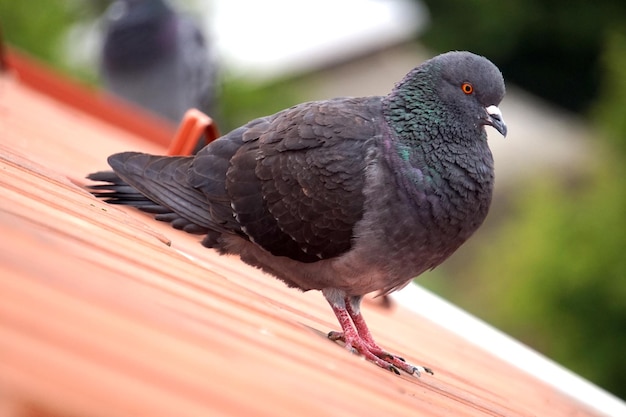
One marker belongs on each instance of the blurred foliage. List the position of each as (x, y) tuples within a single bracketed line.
[(611, 108), (549, 47), (242, 101), (38, 29), (553, 274)]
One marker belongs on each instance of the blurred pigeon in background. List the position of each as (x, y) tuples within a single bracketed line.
[(347, 196), (157, 58)]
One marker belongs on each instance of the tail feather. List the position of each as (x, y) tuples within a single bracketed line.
[(164, 180), (115, 190)]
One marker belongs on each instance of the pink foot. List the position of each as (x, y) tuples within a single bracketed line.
[(357, 338)]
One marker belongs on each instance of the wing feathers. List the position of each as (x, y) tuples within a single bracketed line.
[(291, 182)]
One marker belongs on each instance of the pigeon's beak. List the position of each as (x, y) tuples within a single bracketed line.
[(495, 120)]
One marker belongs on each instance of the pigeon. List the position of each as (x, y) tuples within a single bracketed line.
[(347, 196), (157, 58)]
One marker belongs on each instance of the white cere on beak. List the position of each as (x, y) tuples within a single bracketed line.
[(494, 111)]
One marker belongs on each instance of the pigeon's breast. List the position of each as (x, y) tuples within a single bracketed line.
[(419, 216)]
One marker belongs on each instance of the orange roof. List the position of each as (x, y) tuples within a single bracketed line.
[(100, 316)]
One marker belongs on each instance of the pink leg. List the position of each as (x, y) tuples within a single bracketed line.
[(357, 336), (354, 342)]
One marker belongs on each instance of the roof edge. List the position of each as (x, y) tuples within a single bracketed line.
[(40, 77)]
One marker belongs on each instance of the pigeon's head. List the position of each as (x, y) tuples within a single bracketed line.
[(472, 87)]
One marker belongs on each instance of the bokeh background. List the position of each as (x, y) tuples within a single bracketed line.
[(549, 265)]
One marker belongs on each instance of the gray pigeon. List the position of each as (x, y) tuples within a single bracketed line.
[(157, 58), (347, 196)]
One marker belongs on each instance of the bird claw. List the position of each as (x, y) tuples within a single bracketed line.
[(379, 356), (394, 370), (417, 370), (334, 336)]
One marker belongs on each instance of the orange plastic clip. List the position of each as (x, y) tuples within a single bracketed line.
[(194, 124)]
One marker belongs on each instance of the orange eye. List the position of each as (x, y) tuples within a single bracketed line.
[(467, 88)]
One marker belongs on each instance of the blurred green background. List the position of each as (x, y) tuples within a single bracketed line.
[(549, 270), (553, 273)]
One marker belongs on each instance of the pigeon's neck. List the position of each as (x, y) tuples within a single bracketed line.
[(413, 109), (430, 151)]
